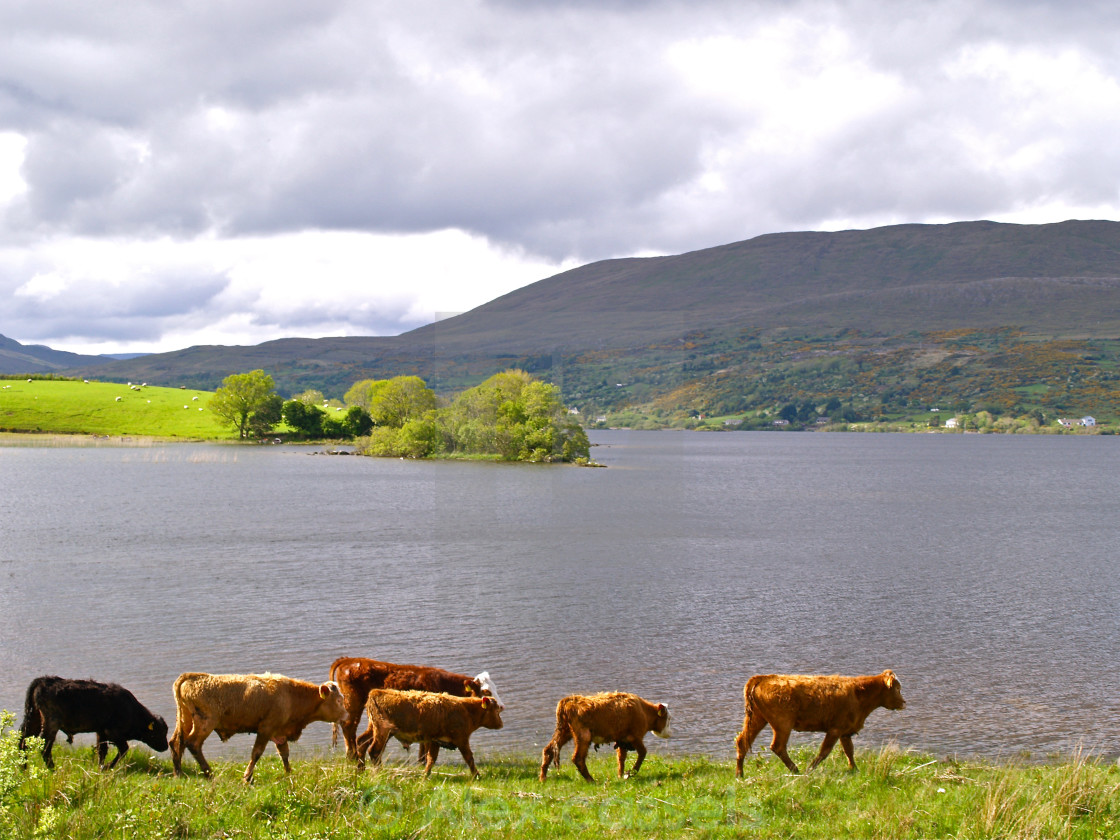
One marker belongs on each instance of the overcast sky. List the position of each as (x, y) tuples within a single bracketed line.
[(233, 171)]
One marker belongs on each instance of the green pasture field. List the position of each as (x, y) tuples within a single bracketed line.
[(92, 408), (893, 794)]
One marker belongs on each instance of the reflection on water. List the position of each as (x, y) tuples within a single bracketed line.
[(979, 568)]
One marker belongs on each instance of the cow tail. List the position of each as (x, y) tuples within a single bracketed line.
[(334, 724), (32, 721), (748, 701)]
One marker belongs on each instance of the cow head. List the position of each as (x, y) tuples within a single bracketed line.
[(333, 707), (660, 726), (486, 685), (893, 699), (491, 713), (155, 734)]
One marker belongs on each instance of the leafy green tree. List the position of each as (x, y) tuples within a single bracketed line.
[(401, 399), (306, 419), (365, 392), (333, 427), (515, 417), (248, 402), (357, 422), (267, 415)]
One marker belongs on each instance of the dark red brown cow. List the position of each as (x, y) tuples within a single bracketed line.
[(274, 707), (438, 720), (834, 705), (357, 676), (613, 717)]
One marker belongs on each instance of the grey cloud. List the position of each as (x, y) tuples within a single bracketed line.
[(555, 127), (98, 310)]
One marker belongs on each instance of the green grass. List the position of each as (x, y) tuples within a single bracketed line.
[(77, 407), (893, 794)]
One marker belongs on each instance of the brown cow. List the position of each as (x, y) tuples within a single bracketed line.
[(357, 676), (274, 707), (437, 719), (617, 717), (834, 705)]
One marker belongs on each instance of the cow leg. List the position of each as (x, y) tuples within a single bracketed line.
[(849, 751), (826, 747), (122, 748), (551, 752), (32, 727), (621, 761), (49, 733), (433, 753), (468, 757), (203, 764), (175, 745), (752, 725), (579, 754), (361, 745), (778, 747), (282, 748), (258, 751), (193, 739), (103, 741), (350, 729), (377, 744), (640, 749)]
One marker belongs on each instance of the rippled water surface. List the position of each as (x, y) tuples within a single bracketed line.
[(982, 569)]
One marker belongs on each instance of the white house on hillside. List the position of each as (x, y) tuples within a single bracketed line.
[(1088, 421)]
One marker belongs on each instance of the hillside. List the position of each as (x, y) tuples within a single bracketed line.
[(35, 358), (656, 325)]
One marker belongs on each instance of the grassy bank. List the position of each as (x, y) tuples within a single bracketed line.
[(105, 408), (894, 794)]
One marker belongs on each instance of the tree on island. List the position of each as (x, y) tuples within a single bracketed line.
[(248, 402), (392, 402), (510, 416)]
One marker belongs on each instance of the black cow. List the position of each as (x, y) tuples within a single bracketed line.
[(56, 705)]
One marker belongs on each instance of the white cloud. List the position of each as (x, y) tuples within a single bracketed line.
[(243, 172), (42, 287), (12, 150), (110, 296)]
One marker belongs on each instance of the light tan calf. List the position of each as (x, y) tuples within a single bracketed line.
[(274, 707)]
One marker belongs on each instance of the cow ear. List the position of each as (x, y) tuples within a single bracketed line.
[(890, 680), (151, 725), (661, 708), (469, 689), (325, 690), (487, 702)]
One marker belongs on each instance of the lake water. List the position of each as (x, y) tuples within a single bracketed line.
[(982, 569)]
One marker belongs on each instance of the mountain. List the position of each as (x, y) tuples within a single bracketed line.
[(36, 358), (629, 319)]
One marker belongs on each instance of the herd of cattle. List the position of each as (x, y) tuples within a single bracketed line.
[(429, 706)]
